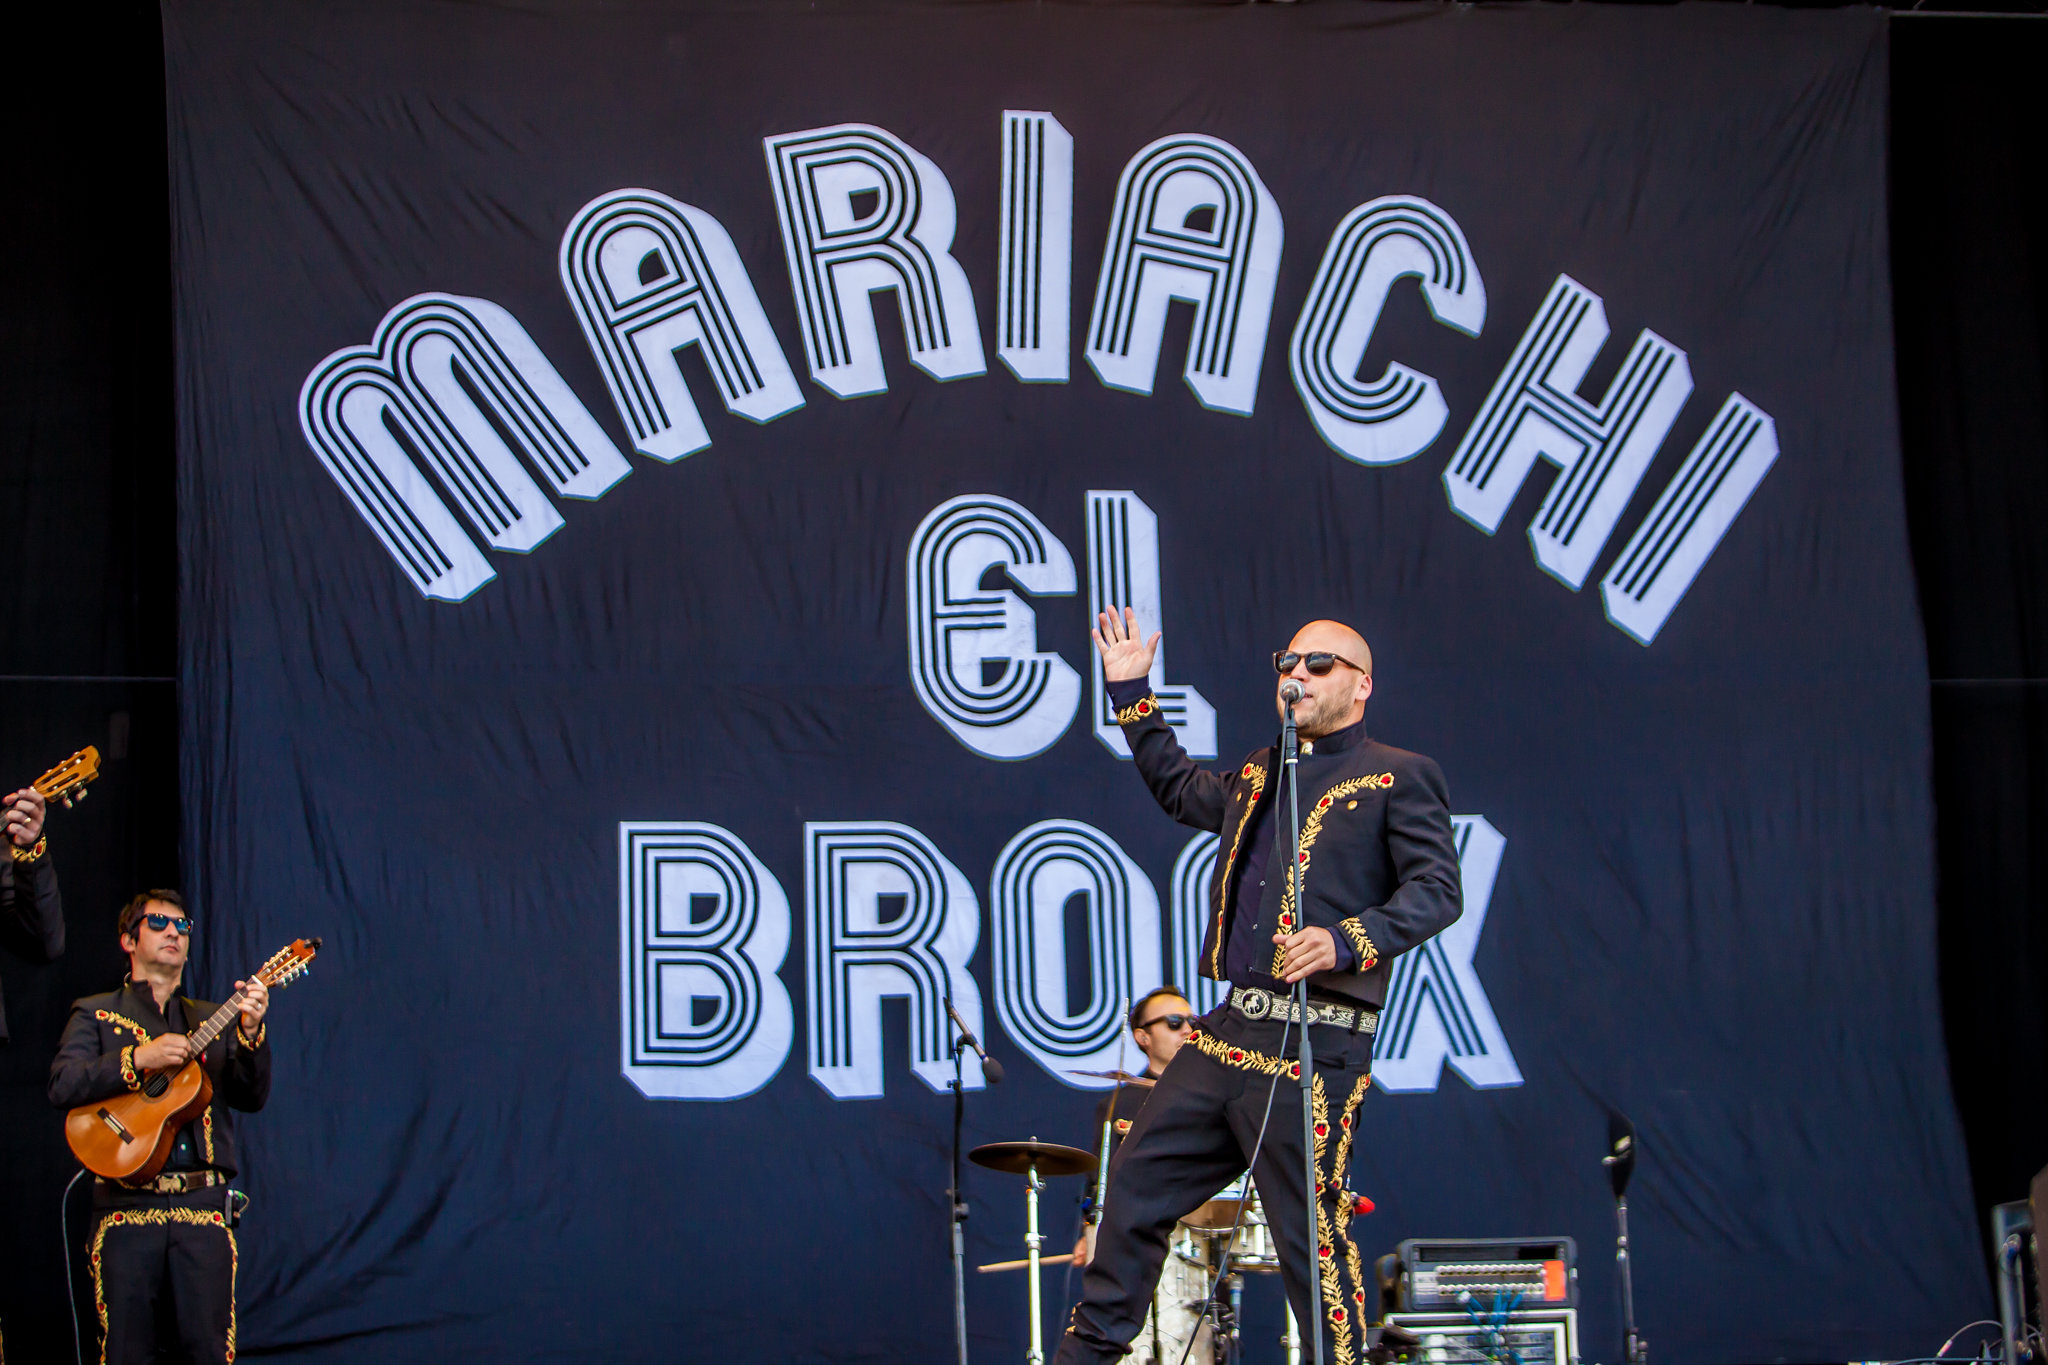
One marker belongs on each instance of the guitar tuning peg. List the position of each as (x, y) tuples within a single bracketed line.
[(66, 800), (82, 792)]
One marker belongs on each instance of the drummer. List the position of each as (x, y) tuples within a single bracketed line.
[(1160, 1022)]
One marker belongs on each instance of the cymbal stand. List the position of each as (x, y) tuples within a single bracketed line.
[(1032, 1185), (958, 1200)]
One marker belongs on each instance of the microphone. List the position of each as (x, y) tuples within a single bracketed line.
[(1290, 692), (991, 1069)]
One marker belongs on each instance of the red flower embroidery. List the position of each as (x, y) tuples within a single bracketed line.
[(1322, 1129), (1145, 707), (1294, 1070), (1326, 1253), (1337, 1313), (1236, 1054)]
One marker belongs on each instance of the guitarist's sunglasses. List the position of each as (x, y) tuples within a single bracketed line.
[(182, 923), (1319, 663)]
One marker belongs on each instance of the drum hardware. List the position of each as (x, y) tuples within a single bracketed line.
[(1034, 1160), (1121, 1077)]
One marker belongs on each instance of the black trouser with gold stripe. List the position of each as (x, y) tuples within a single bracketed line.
[(163, 1269), (1194, 1135)]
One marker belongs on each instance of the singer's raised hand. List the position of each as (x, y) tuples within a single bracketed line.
[(1125, 654)]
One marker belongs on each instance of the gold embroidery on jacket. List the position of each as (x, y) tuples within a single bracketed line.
[(1312, 830), (122, 1021), (1361, 943), (1137, 710), (1254, 774)]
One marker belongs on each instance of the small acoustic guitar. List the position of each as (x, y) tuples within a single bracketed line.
[(67, 781), (129, 1136)]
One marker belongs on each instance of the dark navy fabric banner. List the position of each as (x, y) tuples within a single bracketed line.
[(646, 479)]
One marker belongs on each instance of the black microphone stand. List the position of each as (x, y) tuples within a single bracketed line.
[(1290, 751), (957, 1199)]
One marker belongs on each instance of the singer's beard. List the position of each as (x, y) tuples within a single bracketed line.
[(1317, 716)]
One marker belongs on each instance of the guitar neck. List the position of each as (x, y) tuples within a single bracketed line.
[(203, 1036)]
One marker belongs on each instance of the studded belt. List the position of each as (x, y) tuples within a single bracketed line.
[(1254, 1003)]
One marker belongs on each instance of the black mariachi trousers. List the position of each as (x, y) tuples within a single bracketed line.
[(1194, 1135), (163, 1266)]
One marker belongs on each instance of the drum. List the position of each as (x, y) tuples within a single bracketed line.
[(1177, 1303), (1236, 1205)]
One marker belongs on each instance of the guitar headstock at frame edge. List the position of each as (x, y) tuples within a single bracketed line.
[(66, 783)]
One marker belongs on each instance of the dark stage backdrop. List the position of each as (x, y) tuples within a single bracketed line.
[(646, 478)]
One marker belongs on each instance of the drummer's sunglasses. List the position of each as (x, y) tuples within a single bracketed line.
[(1319, 662), (182, 923), (1176, 1022)]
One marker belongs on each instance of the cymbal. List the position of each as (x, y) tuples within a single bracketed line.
[(1124, 1076), (1016, 1158)]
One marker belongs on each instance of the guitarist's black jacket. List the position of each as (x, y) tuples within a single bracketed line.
[(96, 1060), (31, 913), (1379, 857)]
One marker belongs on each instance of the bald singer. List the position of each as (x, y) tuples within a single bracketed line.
[(1379, 875)]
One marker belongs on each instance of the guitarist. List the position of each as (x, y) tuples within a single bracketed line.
[(171, 1239)]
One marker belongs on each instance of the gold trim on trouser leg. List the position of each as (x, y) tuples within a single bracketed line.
[(1328, 1191), (1348, 1129), (1342, 1272), (99, 1293), (235, 1266), (197, 1218)]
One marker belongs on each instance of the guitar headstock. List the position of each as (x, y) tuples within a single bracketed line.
[(67, 781), (289, 963)]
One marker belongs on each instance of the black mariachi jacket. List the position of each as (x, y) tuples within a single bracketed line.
[(31, 913), (96, 1060), (1378, 855)]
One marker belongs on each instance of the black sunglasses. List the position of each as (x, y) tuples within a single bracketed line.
[(1172, 1021), (1319, 662), (182, 923)]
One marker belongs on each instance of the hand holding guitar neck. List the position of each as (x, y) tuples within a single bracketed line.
[(128, 1137)]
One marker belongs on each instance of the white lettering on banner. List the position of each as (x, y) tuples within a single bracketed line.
[(1192, 221), (1187, 918), (703, 929), (1035, 258), (856, 955), (453, 393), (1123, 571), (648, 276), (974, 656), (1436, 1009), (1395, 417), (841, 250), (443, 378), (1672, 545), (1601, 451), (1035, 875)]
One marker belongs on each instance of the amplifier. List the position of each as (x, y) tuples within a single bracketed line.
[(1547, 1336), (1449, 1274)]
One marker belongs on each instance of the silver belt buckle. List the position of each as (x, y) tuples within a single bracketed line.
[(1253, 1003)]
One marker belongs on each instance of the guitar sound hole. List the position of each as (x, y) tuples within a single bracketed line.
[(155, 1086)]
